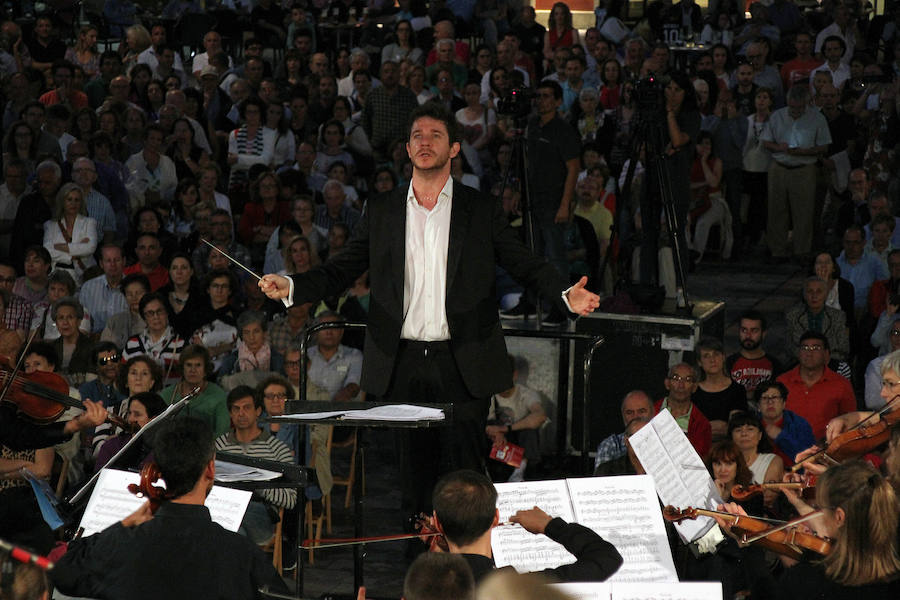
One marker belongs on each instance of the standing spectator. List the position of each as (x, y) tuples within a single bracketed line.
[(11, 193), (64, 92), (561, 33), (833, 50), (800, 68), (554, 145), (765, 75), (84, 52), (844, 28), (796, 135), (756, 163), (34, 210)]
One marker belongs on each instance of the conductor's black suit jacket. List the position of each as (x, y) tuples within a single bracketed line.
[(479, 239)]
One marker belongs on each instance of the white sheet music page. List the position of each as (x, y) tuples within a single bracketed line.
[(680, 477), (585, 590), (624, 510), (513, 545), (688, 590), (111, 502)]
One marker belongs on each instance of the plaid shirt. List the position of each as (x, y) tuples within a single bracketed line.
[(282, 339), (19, 314)]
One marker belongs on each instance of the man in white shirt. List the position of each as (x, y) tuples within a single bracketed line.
[(212, 42), (842, 27), (150, 56), (834, 50), (102, 296)]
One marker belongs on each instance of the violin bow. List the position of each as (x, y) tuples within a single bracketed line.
[(339, 542), (783, 526), (18, 366), (226, 255), (883, 410)]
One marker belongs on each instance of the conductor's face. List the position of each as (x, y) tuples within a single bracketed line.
[(429, 146)]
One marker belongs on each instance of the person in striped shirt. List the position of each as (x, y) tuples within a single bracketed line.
[(247, 438)]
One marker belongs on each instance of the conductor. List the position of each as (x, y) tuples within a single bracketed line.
[(433, 331)]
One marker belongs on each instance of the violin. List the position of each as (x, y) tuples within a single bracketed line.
[(861, 439), (790, 543), (42, 396), (428, 533), (156, 494), (807, 489)]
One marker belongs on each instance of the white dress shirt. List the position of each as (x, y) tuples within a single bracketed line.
[(425, 271)]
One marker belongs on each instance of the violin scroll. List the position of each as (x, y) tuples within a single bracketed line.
[(156, 494), (676, 515)]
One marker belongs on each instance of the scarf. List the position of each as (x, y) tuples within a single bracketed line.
[(248, 361)]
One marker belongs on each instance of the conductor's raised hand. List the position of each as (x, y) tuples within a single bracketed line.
[(534, 519), (581, 300), (275, 287)]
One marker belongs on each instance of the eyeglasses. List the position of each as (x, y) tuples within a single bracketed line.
[(275, 396), (7, 279), (763, 399), (159, 312), (105, 360), (679, 379), (889, 384), (812, 348)]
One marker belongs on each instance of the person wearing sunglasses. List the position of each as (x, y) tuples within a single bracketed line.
[(106, 359)]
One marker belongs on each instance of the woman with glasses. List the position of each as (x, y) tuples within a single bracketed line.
[(788, 432), (159, 340), (59, 285), (249, 145), (209, 405), (404, 47)]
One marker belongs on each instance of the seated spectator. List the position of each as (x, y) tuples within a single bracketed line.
[(71, 237), (404, 46), (332, 366), (708, 206), (815, 392), (21, 143), (149, 221), (681, 383), (445, 30), (717, 395), (158, 341), (298, 256), (859, 268), (635, 405), (591, 208), (188, 157), (751, 366), (123, 325), (142, 408), (253, 351), (812, 314), (152, 175), (879, 245), (183, 294), (839, 292), (247, 438), (149, 253), (106, 361), (788, 432), (627, 463), (32, 286), (516, 415), (335, 209), (73, 347), (209, 404), (60, 286), (250, 144), (64, 91), (331, 147), (262, 215)]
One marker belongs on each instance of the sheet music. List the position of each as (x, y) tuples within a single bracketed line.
[(625, 511), (586, 590), (228, 472), (689, 590), (517, 547), (311, 415), (111, 502), (680, 477), (397, 412)]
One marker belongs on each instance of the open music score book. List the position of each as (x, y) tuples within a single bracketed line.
[(680, 477), (390, 412), (111, 502), (228, 472), (690, 590), (623, 510)]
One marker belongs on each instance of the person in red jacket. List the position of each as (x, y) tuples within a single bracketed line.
[(681, 383)]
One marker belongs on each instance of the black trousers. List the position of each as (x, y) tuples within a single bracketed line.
[(426, 372)]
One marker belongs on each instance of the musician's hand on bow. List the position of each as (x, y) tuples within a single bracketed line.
[(811, 466), (275, 287), (582, 300), (141, 515), (94, 414)]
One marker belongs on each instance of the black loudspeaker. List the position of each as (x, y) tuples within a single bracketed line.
[(636, 354)]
